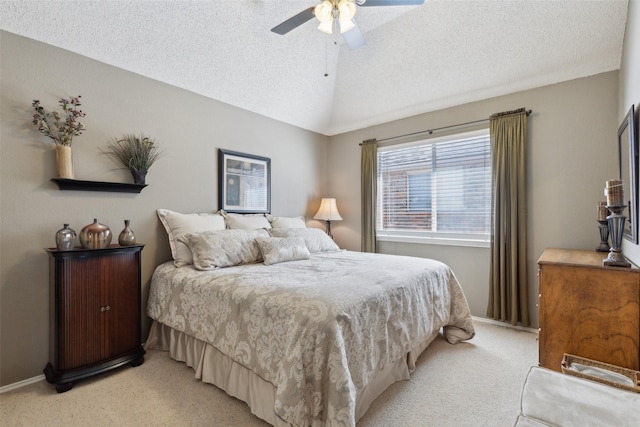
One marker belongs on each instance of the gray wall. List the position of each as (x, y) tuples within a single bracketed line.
[(190, 127), (571, 152)]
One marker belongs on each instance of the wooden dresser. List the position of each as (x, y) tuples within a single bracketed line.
[(94, 312), (588, 309)]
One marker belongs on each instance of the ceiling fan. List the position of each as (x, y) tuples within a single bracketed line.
[(343, 11)]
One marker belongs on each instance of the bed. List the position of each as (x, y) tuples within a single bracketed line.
[(310, 339)]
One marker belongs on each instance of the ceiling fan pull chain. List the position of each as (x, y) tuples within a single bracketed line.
[(326, 60)]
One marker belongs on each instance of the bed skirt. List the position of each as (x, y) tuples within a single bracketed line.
[(212, 366)]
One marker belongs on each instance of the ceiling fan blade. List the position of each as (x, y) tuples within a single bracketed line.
[(353, 37), (294, 22), (389, 2)]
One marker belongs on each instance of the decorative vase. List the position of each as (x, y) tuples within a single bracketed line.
[(139, 177), (64, 162), (65, 238), (95, 236), (126, 237)]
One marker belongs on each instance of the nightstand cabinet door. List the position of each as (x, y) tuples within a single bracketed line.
[(587, 309), (94, 312), (78, 319), (120, 305)]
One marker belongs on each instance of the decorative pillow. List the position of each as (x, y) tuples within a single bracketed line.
[(224, 248), (287, 222), (281, 249), (315, 239), (178, 224), (246, 221)]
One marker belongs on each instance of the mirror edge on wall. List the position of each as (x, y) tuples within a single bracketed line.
[(627, 142)]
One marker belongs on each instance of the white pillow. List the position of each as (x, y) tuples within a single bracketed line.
[(315, 239), (178, 224), (287, 222), (281, 249), (246, 221), (224, 248)]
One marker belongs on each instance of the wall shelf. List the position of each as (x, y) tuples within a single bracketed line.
[(115, 187)]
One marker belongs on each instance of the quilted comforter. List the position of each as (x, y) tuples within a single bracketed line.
[(317, 329)]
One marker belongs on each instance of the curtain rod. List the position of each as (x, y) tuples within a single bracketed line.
[(430, 131)]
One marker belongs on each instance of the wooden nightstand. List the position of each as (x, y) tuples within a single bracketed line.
[(587, 309), (94, 312)]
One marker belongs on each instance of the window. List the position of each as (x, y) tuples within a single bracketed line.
[(436, 189)]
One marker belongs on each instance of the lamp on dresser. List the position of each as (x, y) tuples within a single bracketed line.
[(328, 212)]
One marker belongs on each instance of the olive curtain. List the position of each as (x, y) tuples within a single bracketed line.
[(368, 191), (508, 296)]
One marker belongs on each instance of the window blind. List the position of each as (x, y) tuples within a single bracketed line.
[(438, 186)]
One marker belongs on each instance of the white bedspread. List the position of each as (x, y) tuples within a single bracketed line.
[(317, 329)]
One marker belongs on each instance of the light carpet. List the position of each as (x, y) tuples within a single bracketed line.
[(475, 383)]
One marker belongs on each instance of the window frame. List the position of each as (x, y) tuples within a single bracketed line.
[(433, 237)]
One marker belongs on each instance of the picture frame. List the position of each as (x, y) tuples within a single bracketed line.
[(244, 182), (628, 165)]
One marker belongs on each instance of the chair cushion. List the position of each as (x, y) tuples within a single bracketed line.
[(564, 400)]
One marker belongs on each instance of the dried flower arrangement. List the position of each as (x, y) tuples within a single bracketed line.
[(60, 129)]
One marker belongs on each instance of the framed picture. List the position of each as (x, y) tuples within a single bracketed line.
[(244, 182)]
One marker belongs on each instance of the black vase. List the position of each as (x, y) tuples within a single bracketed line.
[(139, 177)]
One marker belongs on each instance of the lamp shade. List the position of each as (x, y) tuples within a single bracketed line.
[(347, 10), (323, 11), (326, 26), (328, 210), (324, 14)]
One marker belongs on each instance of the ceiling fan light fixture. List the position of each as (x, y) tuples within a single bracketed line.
[(346, 10), (326, 26), (324, 14), (324, 11)]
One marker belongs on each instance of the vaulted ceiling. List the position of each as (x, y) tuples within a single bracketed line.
[(416, 58)]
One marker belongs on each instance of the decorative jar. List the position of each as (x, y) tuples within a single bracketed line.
[(65, 238), (95, 236), (126, 237)]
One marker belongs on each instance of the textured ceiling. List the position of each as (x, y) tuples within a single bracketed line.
[(416, 58)]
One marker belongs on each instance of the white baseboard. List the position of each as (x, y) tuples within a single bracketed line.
[(20, 384), (504, 324), (26, 382)]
